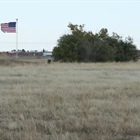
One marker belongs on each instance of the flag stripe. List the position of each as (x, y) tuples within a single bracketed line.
[(8, 27)]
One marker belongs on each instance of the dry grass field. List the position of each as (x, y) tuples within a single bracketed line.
[(85, 101)]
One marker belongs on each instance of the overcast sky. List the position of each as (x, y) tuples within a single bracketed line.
[(41, 23)]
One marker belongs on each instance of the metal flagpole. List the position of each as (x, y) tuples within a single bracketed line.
[(16, 38)]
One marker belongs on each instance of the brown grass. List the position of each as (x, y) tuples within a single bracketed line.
[(70, 101)]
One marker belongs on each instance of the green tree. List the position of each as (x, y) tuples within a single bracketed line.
[(69, 49), (84, 46)]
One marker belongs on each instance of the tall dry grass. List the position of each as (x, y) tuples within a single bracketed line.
[(70, 101)]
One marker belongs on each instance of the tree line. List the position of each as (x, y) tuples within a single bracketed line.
[(85, 46)]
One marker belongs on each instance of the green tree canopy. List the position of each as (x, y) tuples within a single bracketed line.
[(85, 46)]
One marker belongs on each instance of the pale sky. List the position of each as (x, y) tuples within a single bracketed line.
[(41, 23)]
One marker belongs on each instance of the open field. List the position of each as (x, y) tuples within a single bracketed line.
[(85, 101)]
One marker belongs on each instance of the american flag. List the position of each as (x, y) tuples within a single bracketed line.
[(8, 27)]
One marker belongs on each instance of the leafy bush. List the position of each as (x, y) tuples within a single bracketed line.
[(83, 46)]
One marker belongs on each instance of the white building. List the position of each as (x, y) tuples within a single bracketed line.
[(47, 54)]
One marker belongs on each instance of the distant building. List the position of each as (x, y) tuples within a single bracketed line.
[(32, 54), (25, 54), (47, 54)]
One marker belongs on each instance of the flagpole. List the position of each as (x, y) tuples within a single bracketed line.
[(16, 38)]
